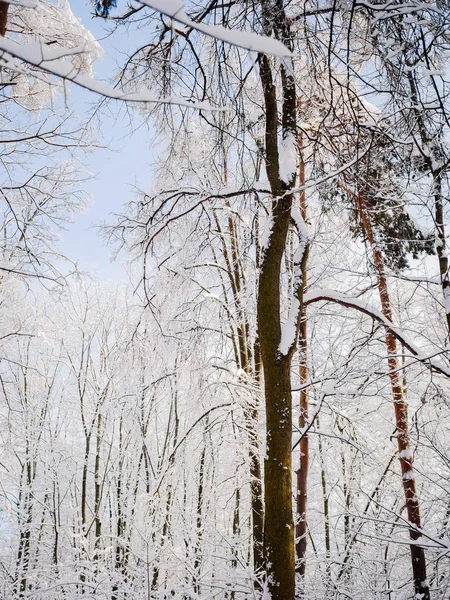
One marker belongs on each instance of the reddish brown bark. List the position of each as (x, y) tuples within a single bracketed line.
[(401, 412), (302, 472)]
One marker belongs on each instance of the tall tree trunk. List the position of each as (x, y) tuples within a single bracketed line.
[(236, 532), (56, 514), (199, 523), (84, 483), (326, 505), (256, 488), (98, 484), (302, 472), (278, 523), (120, 525), (279, 547), (26, 508), (421, 585)]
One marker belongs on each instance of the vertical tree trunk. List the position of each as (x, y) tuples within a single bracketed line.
[(97, 478), (236, 532), (26, 508), (421, 585), (441, 244), (278, 521), (84, 482), (119, 554), (199, 523), (4, 6), (56, 513), (325, 503), (256, 488), (302, 472)]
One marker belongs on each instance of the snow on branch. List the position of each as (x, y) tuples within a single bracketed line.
[(350, 302), (250, 41), (50, 60)]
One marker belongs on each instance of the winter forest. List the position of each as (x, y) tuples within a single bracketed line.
[(260, 408)]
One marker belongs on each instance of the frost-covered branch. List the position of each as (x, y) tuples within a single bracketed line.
[(370, 311), (243, 39), (50, 61)]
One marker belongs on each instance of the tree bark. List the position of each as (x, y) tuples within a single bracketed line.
[(418, 562), (278, 524), (441, 244), (4, 6), (279, 547), (302, 472)]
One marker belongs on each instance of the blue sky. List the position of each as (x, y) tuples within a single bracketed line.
[(117, 169)]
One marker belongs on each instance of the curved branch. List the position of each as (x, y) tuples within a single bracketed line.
[(376, 315)]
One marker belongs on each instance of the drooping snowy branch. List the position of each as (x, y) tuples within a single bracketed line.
[(370, 311), (50, 61), (249, 41)]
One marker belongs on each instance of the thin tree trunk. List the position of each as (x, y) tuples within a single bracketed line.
[(256, 489), (421, 585), (236, 533), (56, 520), (441, 245), (200, 493), (98, 485), (23, 553), (325, 502), (84, 483), (302, 472), (119, 563)]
